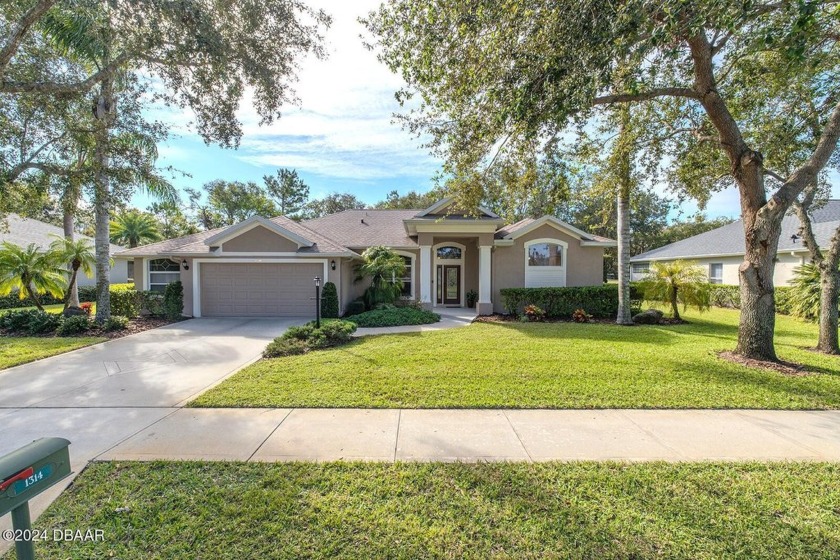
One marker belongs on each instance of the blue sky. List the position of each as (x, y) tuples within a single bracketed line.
[(340, 138)]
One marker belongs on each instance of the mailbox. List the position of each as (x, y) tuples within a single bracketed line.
[(30, 470)]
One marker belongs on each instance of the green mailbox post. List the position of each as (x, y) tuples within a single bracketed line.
[(24, 474)]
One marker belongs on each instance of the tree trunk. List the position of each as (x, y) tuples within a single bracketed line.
[(103, 111), (72, 298), (762, 228), (624, 315), (675, 308), (34, 295), (829, 292)]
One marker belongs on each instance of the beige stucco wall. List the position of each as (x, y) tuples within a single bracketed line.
[(186, 281), (259, 240), (139, 274), (584, 265), (782, 275)]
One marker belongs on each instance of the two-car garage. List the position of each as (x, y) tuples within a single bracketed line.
[(257, 289)]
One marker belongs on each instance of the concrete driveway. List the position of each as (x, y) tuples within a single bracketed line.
[(100, 395)]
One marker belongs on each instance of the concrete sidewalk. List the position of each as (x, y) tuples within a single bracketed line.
[(484, 435)]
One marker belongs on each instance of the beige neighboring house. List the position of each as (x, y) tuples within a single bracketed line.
[(23, 231), (721, 251), (266, 267)]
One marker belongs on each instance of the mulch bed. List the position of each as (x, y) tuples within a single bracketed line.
[(135, 326), (785, 368)]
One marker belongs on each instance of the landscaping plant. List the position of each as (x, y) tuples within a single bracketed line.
[(581, 316), (173, 300), (79, 255), (394, 317), (385, 269), (805, 293), (677, 282), (534, 313), (76, 324), (302, 339), (30, 272), (329, 301)]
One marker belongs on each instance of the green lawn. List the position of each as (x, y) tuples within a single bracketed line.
[(550, 365), (19, 350), (414, 510)]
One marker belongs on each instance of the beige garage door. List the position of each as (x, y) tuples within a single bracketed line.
[(258, 290)]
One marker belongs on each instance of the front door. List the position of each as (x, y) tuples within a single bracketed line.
[(451, 284)]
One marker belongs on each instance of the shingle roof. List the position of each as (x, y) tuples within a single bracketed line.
[(192, 244), (508, 229), (366, 228), (729, 239), (23, 231)]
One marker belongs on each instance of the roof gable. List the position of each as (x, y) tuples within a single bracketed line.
[(257, 221), (439, 209), (522, 227)]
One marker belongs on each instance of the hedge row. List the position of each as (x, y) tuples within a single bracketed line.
[(86, 293), (730, 297), (598, 301)]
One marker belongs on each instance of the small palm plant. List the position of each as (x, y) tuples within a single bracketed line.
[(805, 292), (134, 228), (385, 269), (78, 255), (678, 282), (31, 272)]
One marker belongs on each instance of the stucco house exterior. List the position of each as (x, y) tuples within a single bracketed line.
[(23, 231), (266, 267), (721, 251)]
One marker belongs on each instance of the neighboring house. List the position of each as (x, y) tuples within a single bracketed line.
[(721, 251), (23, 231), (266, 267)]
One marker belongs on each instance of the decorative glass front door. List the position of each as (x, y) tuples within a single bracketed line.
[(451, 284)]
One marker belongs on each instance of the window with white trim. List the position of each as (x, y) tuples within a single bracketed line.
[(715, 273), (545, 263), (407, 282), (640, 268), (163, 272), (545, 254)]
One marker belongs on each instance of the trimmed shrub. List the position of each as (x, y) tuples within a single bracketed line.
[(280, 347), (302, 339), (329, 301), (599, 301), (730, 297), (41, 322), (17, 321), (394, 317), (77, 324), (125, 302), (355, 307), (152, 303), (115, 323), (173, 300)]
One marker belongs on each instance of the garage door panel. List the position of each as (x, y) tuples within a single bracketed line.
[(257, 290)]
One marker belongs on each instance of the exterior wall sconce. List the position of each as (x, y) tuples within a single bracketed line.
[(332, 264), (185, 265), (794, 238)]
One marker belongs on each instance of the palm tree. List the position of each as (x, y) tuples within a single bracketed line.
[(31, 272), (677, 282), (134, 228), (385, 268), (79, 255)]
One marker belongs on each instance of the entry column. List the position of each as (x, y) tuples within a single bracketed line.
[(485, 303), (426, 276)]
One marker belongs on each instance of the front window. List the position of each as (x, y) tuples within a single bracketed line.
[(545, 254), (640, 269), (407, 289), (161, 273), (449, 253), (716, 273)]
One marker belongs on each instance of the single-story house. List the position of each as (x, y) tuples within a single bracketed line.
[(23, 231), (721, 251), (266, 267)]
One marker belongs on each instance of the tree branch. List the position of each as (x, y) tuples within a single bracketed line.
[(807, 172), (646, 95), (71, 87), (18, 32), (775, 175)]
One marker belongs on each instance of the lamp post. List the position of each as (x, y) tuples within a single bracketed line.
[(317, 302)]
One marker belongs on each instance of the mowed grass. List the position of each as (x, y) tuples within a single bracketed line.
[(413, 510), (20, 350), (543, 365)]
